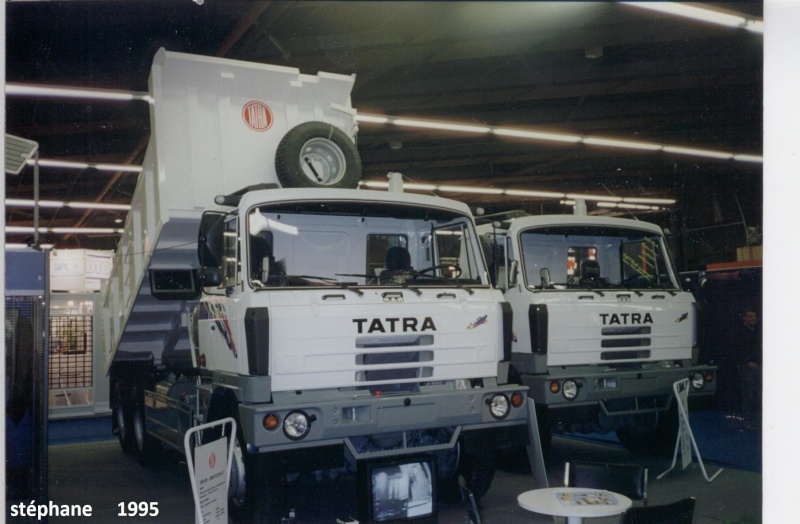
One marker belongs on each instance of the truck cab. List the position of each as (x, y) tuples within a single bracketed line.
[(602, 328)]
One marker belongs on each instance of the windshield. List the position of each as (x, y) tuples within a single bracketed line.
[(582, 257), (358, 244)]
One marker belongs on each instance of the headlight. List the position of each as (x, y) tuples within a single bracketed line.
[(698, 380), (570, 389), (498, 406), (296, 425)]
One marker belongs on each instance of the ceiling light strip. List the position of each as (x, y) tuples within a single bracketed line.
[(704, 15), (18, 202), (519, 192), (66, 230), (547, 136), (66, 164), (76, 92)]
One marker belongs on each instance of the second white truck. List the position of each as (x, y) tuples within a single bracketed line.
[(602, 328)]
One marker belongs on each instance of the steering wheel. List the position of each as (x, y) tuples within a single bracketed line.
[(451, 267)]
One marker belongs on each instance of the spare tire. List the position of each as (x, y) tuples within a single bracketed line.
[(316, 154)]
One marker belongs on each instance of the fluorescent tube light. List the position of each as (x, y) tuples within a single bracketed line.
[(420, 187), (606, 198), (749, 158), (536, 135), (525, 192), (86, 165), (64, 230), (704, 15), (446, 126), (626, 144), (73, 92), (372, 119), (18, 202), (643, 200), (471, 189), (697, 152)]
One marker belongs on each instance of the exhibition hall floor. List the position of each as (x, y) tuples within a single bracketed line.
[(100, 474)]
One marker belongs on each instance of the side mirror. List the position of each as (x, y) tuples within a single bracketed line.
[(210, 240), (544, 275), (512, 273), (212, 277)]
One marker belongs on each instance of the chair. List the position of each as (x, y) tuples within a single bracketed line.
[(625, 479), (398, 261), (680, 512), (590, 272)]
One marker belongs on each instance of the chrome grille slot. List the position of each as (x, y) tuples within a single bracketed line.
[(626, 330), (624, 342), (625, 355), (395, 357), (379, 375), (395, 341)]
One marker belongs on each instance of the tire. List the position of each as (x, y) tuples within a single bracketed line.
[(545, 429), (256, 493), (477, 469), (309, 153), (147, 447), (654, 437), (123, 420)]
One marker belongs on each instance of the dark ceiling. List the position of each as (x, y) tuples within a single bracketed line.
[(651, 77)]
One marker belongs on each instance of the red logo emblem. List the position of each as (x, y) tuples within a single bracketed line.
[(257, 116), (212, 460)]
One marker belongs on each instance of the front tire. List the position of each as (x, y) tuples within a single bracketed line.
[(256, 491), (478, 472), (654, 435)]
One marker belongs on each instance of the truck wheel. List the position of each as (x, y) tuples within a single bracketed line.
[(478, 472), (123, 420), (545, 428), (653, 434), (256, 491), (316, 154), (147, 447), (265, 492)]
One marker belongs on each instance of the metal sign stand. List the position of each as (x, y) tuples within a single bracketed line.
[(188, 447), (685, 436)]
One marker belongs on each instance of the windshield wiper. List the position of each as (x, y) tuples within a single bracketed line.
[(456, 283)]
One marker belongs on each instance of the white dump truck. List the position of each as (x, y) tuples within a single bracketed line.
[(602, 329), (254, 281)]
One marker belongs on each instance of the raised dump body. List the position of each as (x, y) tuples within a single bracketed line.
[(216, 127)]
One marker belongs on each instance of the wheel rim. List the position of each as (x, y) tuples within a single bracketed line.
[(322, 161)]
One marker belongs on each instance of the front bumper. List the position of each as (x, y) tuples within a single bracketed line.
[(390, 421)]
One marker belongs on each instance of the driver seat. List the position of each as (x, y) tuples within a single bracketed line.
[(398, 261), (590, 272)]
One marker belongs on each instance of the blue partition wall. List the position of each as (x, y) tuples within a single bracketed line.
[(26, 312)]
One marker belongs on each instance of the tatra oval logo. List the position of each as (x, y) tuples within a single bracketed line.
[(257, 116)]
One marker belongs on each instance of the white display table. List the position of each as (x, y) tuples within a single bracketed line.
[(574, 503)]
